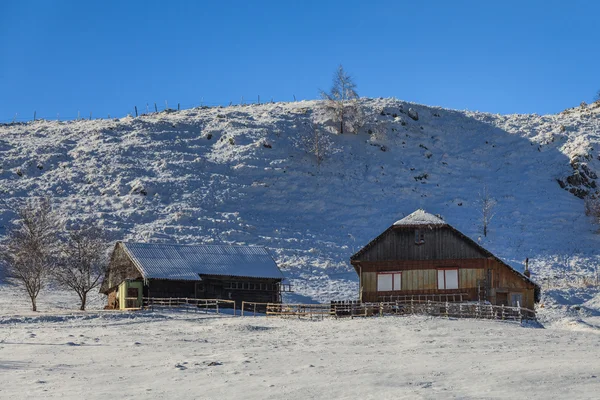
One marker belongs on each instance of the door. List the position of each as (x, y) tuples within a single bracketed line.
[(501, 299), (214, 290)]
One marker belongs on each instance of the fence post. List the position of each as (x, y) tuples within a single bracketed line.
[(412, 305), (155, 108), (217, 306), (447, 309), (502, 308), (520, 313), (178, 108), (136, 114), (242, 313), (34, 115)]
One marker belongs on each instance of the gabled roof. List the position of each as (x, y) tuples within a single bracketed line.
[(420, 217), (188, 262)]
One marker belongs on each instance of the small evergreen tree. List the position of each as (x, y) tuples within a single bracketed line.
[(342, 102)]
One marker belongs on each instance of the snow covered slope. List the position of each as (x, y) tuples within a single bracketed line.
[(239, 175)]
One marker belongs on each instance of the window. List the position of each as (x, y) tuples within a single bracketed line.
[(447, 278), (516, 300), (132, 292), (419, 236), (388, 281)]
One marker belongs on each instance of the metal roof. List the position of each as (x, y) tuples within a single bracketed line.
[(420, 217), (188, 262)]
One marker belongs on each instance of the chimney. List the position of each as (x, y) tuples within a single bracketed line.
[(527, 273)]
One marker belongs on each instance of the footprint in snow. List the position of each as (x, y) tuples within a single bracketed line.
[(181, 367)]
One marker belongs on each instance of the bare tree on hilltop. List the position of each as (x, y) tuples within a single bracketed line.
[(83, 261), (342, 102), (31, 249)]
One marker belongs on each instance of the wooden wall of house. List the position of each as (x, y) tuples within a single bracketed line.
[(440, 243), (420, 277), (120, 268), (165, 288), (214, 287), (219, 286)]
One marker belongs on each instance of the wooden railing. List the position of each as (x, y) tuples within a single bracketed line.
[(339, 309), (450, 297), (196, 305), (456, 310)]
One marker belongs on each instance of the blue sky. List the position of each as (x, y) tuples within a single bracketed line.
[(104, 57)]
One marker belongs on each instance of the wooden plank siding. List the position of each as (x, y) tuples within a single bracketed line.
[(480, 275), (440, 244)]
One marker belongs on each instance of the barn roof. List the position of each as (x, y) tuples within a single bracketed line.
[(420, 217), (188, 262)]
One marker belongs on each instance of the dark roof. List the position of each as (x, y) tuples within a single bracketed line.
[(188, 262)]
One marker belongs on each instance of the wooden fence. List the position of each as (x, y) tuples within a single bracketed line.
[(455, 310), (196, 305), (340, 309)]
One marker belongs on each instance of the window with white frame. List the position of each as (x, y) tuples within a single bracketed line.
[(447, 278), (388, 281)]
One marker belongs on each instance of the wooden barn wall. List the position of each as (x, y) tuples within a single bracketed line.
[(369, 282), (420, 277), (120, 268), (163, 288), (440, 243), (470, 277), (213, 287)]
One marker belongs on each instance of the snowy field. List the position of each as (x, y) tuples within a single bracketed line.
[(58, 353)]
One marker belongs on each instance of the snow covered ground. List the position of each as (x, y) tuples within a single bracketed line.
[(57, 354)]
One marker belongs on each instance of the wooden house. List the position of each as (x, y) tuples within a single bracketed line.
[(239, 273), (422, 255)]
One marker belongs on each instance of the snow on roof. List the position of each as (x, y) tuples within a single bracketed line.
[(420, 217), (187, 262)]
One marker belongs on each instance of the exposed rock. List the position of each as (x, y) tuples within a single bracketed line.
[(412, 113)]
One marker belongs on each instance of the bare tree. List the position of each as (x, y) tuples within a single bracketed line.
[(30, 250), (84, 259), (316, 141), (342, 102), (486, 208)]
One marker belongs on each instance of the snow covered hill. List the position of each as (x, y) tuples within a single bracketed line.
[(240, 175)]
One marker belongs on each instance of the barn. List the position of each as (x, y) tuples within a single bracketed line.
[(239, 273), (422, 255)]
